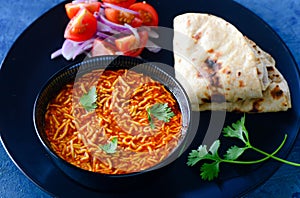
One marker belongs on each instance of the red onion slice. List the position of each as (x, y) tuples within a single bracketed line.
[(108, 5), (68, 49), (56, 54), (102, 27), (114, 26), (82, 47)]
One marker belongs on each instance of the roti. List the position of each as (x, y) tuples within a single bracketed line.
[(224, 69)]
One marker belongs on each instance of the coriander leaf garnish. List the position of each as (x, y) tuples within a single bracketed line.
[(110, 147), (88, 100), (161, 112), (237, 130), (234, 152), (210, 171)]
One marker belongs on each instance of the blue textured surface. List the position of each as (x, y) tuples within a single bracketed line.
[(282, 15)]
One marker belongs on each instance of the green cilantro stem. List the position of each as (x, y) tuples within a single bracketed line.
[(276, 158), (260, 160), (209, 171)]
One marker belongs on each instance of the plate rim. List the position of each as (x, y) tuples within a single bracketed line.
[(30, 26)]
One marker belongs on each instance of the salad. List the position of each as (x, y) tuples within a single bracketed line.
[(109, 27)]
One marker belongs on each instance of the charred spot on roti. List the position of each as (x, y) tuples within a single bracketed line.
[(207, 95), (239, 73), (197, 36), (209, 71), (276, 93), (210, 50), (258, 72), (215, 81), (241, 83), (205, 100), (256, 106), (212, 64), (270, 69), (226, 71)]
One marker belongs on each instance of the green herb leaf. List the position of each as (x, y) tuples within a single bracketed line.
[(110, 147), (202, 154), (161, 112), (214, 149), (196, 155), (234, 152), (237, 130), (88, 100), (210, 171)]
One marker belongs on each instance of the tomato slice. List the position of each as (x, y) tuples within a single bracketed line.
[(73, 8), (136, 22), (121, 17), (122, 3), (101, 47), (129, 46), (148, 14), (82, 26)]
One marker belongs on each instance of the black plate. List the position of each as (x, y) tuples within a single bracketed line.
[(27, 66)]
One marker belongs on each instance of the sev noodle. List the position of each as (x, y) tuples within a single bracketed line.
[(123, 97)]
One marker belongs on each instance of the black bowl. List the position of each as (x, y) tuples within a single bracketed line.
[(158, 72)]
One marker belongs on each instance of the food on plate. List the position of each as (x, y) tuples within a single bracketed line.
[(113, 122), (110, 21), (146, 12), (73, 8), (82, 26), (224, 68)]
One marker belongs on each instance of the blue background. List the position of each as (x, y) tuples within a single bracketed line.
[(282, 15)]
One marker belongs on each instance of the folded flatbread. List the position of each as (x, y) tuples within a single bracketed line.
[(225, 70)]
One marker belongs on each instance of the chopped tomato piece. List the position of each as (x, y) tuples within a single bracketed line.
[(130, 46), (101, 47), (82, 26), (148, 14), (122, 3), (121, 17), (136, 22), (73, 8)]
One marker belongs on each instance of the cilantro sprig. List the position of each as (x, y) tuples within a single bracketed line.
[(111, 146), (210, 169), (88, 100), (161, 112)]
